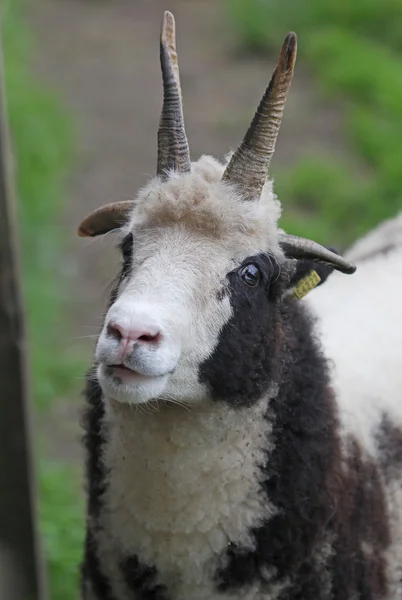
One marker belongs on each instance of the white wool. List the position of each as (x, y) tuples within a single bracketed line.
[(360, 325), (201, 200), (386, 235), (182, 484)]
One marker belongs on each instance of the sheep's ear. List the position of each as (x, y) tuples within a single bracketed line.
[(308, 275), (304, 266), (107, 218)]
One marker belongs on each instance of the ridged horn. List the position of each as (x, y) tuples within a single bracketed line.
[(248, 167), (173, 150), (297, 247)]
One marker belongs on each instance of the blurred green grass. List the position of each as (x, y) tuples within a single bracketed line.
[(42, 137), (42, 144), (62, 525), (354, 51)]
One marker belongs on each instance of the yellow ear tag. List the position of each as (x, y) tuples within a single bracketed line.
[(305, 285)]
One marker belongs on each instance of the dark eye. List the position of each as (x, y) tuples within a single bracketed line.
[(250, 274)]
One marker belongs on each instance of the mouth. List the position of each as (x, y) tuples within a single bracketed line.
[(126, 385), (127, 375)]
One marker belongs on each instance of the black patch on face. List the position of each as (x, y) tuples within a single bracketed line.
[(91, 573), (389, 442), (126, 248), (243, 363), (319, 501), (141, 580)]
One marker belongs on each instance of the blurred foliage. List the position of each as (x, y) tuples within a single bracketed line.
[(41, 137), (42, 149), (354, 50), (63, 528)]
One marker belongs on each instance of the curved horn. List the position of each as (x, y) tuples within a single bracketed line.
[(173, 150), (248, 166), (102, 220), (297, 247)]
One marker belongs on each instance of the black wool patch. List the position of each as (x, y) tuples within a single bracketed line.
[(242, 365), (362, 526), (141, 580), (294, 478), (389, 445), (91, 574), (94, 441), (96, 483)]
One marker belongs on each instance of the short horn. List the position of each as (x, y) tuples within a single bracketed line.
[(297, 247), (248, 167), (173, 150), (105, 219)]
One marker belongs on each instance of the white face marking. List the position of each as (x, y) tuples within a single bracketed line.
[(173, 291)]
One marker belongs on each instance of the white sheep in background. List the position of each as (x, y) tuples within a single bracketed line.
[(237, 449)]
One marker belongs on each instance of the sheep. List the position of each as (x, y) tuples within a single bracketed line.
[(236, 448)]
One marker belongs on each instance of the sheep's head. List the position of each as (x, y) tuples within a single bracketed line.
[(205, 265)]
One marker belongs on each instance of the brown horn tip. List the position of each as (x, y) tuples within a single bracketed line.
[(248, 167), (287, 57), (168, 39), (168, 28)]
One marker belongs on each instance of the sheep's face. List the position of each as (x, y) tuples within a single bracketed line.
[(199, 265)]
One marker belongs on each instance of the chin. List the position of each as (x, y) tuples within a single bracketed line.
[(131, 388)]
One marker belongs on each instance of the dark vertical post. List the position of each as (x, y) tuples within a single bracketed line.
[(21, 568)]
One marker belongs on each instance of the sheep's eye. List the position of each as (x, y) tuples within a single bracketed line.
[(250, 274)]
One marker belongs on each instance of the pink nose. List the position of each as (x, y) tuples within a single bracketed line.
[(124, 334)]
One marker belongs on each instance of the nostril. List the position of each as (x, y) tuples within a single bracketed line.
[(115, 332), (150, 338)]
